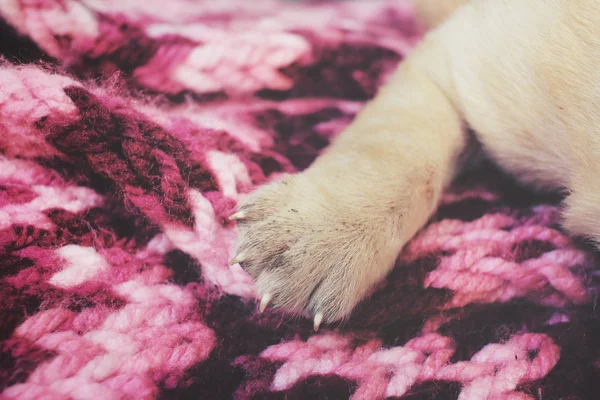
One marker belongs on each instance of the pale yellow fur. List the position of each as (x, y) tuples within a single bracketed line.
[(525, 75)]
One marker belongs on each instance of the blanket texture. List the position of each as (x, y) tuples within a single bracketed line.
[(129, 129)]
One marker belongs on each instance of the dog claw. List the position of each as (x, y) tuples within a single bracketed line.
[(317, 321), (237, 215), (238, 259), (264, 302)]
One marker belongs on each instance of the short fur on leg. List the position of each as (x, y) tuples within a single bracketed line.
[(318, 241)]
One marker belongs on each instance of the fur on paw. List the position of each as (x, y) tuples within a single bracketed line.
[(310, 250)]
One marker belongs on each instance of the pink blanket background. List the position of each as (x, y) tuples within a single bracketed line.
[(129, 130)]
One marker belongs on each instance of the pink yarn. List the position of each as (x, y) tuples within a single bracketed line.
[(154, 331), (27, 95), (475, 274), (494, 372)]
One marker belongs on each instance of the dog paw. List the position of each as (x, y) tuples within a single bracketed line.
[(313, 250)]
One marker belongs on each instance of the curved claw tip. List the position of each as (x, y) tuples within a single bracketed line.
[(238, 259), (237, 215), (317, 321), (264, 302)]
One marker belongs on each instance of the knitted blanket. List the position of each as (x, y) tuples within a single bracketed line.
[(129, 129)]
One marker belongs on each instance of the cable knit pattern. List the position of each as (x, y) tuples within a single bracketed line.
[(130, 129)]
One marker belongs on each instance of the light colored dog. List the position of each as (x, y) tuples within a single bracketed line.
[(525, 75)]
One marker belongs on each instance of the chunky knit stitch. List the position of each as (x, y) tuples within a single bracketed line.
[(129, 130)]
